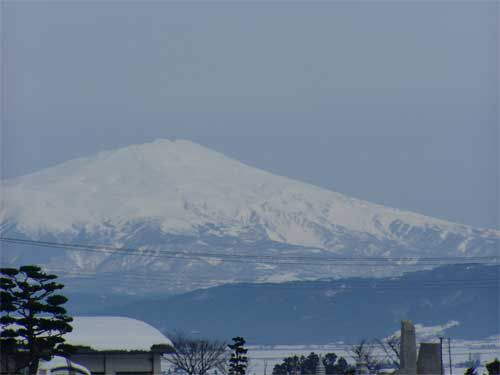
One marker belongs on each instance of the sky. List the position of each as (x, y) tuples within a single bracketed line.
[(393, 102)]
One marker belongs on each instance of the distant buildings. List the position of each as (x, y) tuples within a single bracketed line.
[(116, 346), (429, 355)]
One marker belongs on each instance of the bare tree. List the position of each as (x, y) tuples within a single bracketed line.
[(197, 356), (363, 353), (390, 346)]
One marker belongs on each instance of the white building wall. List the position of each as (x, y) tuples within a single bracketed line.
[(120, 363)]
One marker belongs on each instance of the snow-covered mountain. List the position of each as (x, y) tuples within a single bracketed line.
[(177, 195)]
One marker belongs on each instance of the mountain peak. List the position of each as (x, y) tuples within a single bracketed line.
[(185, 188)]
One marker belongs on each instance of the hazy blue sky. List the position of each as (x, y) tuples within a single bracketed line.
[(394, 102)]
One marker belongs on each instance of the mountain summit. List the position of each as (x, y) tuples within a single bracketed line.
[(179, 195)]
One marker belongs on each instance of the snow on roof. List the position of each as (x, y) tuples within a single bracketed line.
[(60, 362), (114, 333)]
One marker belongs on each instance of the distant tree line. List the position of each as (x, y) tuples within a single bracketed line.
[(334, 365), (493, 368)]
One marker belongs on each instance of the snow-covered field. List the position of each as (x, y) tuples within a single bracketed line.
[(263, 358)]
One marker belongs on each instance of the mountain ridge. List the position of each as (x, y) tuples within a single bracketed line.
[(324, 311), (180, 195)]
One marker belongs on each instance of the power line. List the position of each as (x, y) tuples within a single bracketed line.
[(241, 258), (340, 352), (244, 258), (315, 284), (341, 346), (174, 252), (462, 345), (293, 286)]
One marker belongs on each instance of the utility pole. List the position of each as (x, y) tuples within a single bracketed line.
[(441, 354), (449, 354)]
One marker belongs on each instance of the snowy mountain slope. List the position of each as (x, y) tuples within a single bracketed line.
[(180, 195)]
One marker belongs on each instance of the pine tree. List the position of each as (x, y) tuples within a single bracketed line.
[(239, 361), (471, 371), (493, 367), (309, 364), (32, 317)]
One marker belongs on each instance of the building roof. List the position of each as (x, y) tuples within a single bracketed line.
[(114, 333)]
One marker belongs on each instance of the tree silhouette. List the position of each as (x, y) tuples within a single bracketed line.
[(334, 365), (493, 367), (197, 356), (33, 318), (238, 362)]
